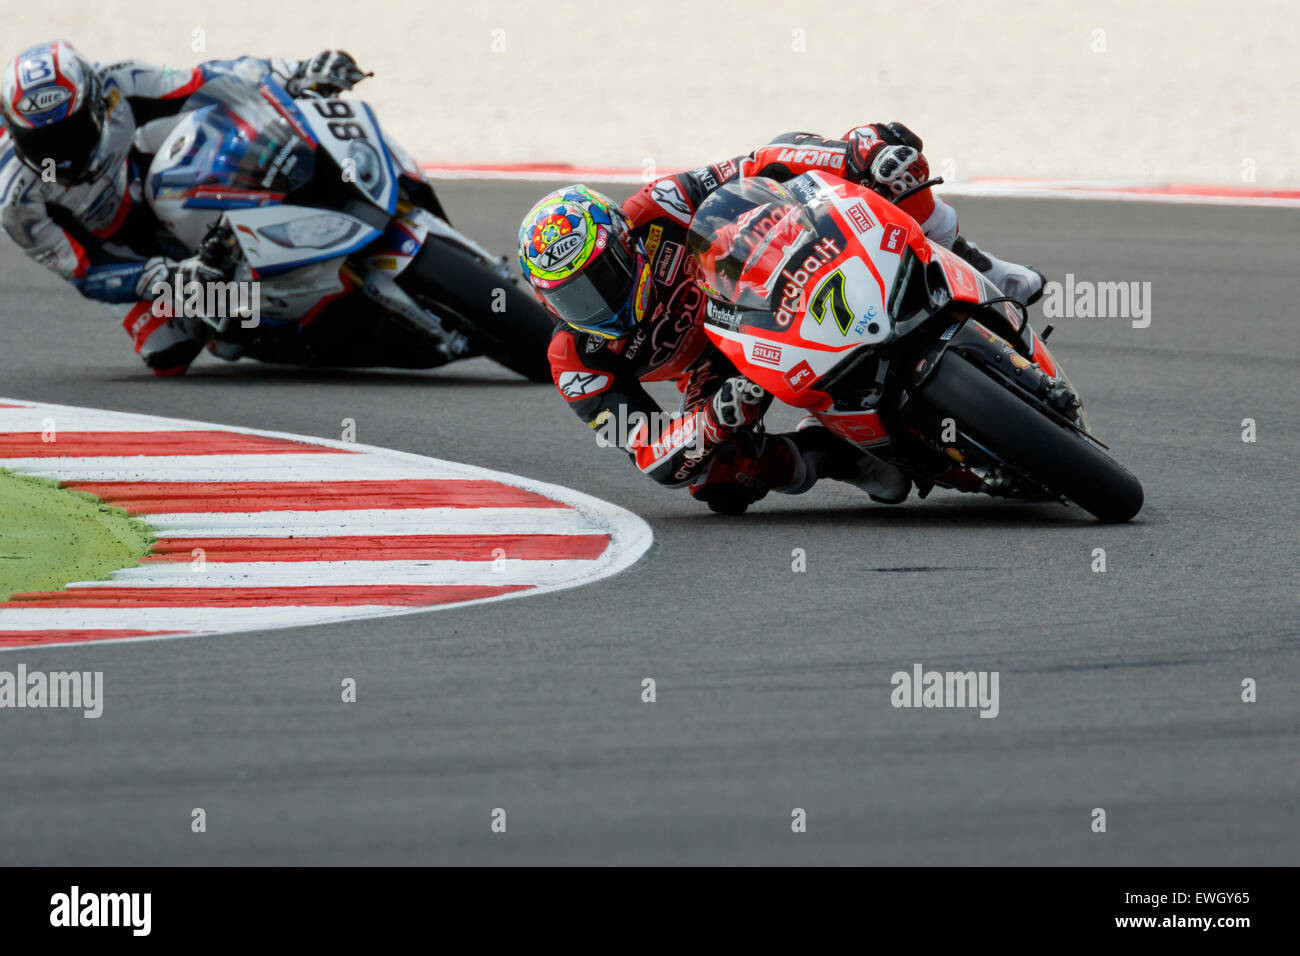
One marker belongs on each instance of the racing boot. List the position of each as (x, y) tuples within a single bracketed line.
[(825, 455), (1022, 283), (939, 223)]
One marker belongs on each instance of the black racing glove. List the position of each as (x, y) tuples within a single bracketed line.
[(327, 74)]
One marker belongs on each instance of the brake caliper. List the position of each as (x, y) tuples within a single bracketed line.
[(1063, 400)]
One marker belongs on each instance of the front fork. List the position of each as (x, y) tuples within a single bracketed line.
[(1040, 381), (378, 267), (1051, 394)]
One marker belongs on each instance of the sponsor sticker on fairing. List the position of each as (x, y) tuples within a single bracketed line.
[(800, 377), (859, 218), (792, 292), (766, 353), (722, 315), (807, 191), (892, 241)]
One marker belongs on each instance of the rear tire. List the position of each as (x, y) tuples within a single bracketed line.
[(1061, 460), (450, 279)]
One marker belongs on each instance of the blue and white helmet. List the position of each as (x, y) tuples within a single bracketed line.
[(53, 103)]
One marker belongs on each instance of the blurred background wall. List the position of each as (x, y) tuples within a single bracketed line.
[(1115, 90)]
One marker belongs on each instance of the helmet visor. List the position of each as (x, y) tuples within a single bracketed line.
[(70, 142), (598, 298)]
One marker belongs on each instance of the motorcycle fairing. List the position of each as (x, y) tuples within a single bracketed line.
[(243, 148), (281, 238), (862, 427), (298, 294), (867, 275), (349, 132)]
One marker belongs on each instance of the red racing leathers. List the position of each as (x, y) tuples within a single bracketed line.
[(601, 379)]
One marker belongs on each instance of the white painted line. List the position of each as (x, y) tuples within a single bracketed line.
[(255, 467), (311, 524), (72, 419), (537, 175), (1027, 191), (251, 574), (193, 619)]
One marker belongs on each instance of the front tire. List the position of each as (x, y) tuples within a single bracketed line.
[(1062, 461), (504, 320)]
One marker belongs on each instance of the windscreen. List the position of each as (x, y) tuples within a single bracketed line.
[(743, 235), (260, 148)]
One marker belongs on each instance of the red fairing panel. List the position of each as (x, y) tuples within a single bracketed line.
[(862, 428), (966, 284), (876, 235)]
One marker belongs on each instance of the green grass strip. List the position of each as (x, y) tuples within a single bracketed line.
[(51, 536)]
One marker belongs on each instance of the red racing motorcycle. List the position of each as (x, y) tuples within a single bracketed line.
[(833, 300)]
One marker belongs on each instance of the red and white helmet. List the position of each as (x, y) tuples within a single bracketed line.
[(53, 103)]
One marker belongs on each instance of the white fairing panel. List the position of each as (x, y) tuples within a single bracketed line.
[(275, 238), (884, 244), (846, 309), (291, 295), (348, 131), (185, 223)]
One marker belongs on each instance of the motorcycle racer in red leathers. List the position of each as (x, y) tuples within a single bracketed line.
[(621, 280), (76, 141)]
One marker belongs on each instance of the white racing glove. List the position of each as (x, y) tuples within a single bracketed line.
[(896, 169), (157, 271), (160, 271), (738, 403), (158, 284)]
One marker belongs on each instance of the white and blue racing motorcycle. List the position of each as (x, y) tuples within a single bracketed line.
[(354, 259)]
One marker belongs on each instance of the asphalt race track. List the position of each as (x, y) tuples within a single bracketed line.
[(1119, 690)]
